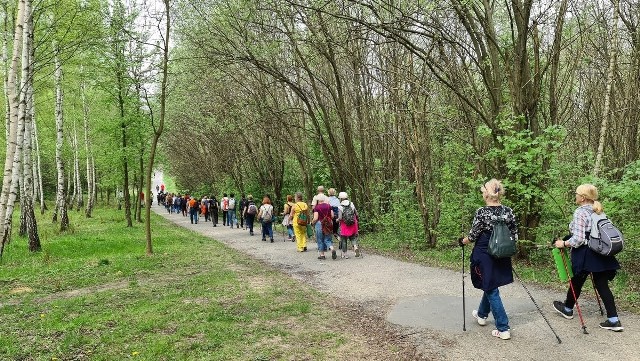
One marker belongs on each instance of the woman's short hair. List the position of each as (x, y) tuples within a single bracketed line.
[(321, 198), (493, 190), (289, 198), (299, 196), (266, 200)]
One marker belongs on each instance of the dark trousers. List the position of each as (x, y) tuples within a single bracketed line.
[(224, 218), (601, 282), (250, 220), (214, 216)]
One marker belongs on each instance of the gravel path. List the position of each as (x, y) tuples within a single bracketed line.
[(426, 302)]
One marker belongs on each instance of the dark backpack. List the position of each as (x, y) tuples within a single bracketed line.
[(610, 241), (252, 209), (349, 215), (502, 244)]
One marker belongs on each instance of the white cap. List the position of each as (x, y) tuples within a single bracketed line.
[(343, 195), (345, 203)]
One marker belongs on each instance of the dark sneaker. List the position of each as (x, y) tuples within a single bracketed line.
[(333, 254), (304, 249), (613, 326), (358, 252), (271, 240), (321, 257), (559, 306)]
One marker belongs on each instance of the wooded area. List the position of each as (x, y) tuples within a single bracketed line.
[(407, 105)]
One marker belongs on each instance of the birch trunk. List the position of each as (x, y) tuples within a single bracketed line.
[(38, 164), (91, 193), (76, 170), (13, 101), (157, 132), (27, 210), (5, 68), (607, 97), (61, 200), (16, 168)]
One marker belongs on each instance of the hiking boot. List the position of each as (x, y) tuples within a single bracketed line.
[(357, 250), (271, 240), (304, 249), (481, 321), (560, 307), (333, 254), (264, 240), (503, 335), (613, 326), (321, 257)]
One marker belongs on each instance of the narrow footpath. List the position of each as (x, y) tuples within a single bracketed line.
[(427, 303)]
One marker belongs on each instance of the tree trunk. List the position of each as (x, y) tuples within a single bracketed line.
[(16, 169), (13, 101), (38, 164), (61, 198), (91, 194), (607, 97), (140, 187), (76, 170), (158, 131)]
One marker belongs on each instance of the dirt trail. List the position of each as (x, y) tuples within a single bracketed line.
[(426, 303)]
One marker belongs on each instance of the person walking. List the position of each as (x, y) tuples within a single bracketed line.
[(314, 200), (488, 273), (194, 208), (286, 217), (243, 206), (585, 261), (231, 212), (334, 202), (300, 230), (224, 204), (348, 220), (323, 222), (250, 212), (213, 209), (265, 215)]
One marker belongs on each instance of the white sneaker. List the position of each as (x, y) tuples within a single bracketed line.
[(504, 335), (481, 321)]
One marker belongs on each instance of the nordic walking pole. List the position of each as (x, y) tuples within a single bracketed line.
[(464, 312), (564, 261), (537, 307), (597, 295)]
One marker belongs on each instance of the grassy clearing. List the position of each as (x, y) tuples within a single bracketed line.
[(92, 294)]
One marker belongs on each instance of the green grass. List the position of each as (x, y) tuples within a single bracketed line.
[(92, 294)]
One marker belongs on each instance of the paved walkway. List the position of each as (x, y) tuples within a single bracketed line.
[(427, 302)]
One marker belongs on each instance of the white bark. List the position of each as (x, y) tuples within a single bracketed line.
[(38, 166), (61, 202), (5, 68), (13, 101), (607, 97), (16, 168), (91, 194), (76, 170)]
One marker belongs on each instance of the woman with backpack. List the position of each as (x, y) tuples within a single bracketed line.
[(300, 218), (323, 221), (489, 273), (585, 260), (286, 217), (265, 215), (348, 219), (250, 212)]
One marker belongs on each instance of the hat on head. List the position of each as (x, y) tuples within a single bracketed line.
[(343, 195), (345, 203)]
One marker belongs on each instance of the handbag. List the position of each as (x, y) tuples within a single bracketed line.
[(310, 231)]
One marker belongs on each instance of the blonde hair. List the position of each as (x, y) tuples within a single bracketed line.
[(493, 190), (590, 193)]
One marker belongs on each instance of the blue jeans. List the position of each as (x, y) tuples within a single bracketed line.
[(231, 217), (267, 230), (491, 302), (193, 215), (290, 231), (325, 241)]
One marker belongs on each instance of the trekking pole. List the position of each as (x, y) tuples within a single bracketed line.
[(597, 295), (573, 292), (536, 304), (464, 312)]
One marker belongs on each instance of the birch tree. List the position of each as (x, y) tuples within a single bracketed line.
[(61, 196)]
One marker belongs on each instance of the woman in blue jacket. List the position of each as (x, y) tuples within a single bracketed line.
[(488, 273)]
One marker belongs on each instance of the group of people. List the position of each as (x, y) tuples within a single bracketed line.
[(489, 273), (327, 216)]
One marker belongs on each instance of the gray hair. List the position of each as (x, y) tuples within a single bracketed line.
[(298, 196)]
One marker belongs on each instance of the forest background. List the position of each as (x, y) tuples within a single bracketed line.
[(409, 106)]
